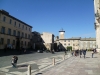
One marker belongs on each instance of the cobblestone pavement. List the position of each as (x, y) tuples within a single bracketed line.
[(36, 65), (77, 66)]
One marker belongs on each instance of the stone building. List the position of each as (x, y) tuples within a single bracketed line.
[(42, 41), (14, 33), (97, 23), (75, 42), (36, 40)]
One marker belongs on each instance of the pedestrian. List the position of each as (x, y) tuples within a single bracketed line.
[(14, 61), (65, 52), (84, 53), (75, 53), (93, 52), (72, 52), (80, 53)]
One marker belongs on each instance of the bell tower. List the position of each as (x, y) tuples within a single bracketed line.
[(61, 34)]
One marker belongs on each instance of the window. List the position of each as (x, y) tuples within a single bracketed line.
[(4, 18), (29, 29), (19, 24), (10, 21), (3, 30), (73, 40), (22, 34), (25, 43), (13, 42), (14, 32), (9, 31), (26, 28), (25, 35), (15, 23), (23, 27), (28, 43), (68, 40), (64, 40), (73, 44), (8, 41), (18, 33), (69, 44), (64, 44), (2, 41), (21, 42), (29, 36)]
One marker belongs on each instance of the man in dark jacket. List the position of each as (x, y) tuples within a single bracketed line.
[(80, 53), (84, 53)]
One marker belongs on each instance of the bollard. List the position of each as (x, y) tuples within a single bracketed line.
[(53, 61), (64, 57), (29, 70)]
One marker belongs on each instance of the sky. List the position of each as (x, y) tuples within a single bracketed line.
[(75, 17)]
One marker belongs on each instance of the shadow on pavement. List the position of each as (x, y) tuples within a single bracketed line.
[(38, 74), (24, 65), (95, 57), (14, 52), (87, 57)]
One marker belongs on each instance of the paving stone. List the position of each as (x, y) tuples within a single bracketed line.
[(78, 66)]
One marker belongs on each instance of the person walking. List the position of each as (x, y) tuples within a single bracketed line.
[(14, 61), (72, 52), (93, 52), (84, 53), (80, 53)]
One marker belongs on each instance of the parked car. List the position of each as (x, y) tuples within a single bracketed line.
[(40, 51)]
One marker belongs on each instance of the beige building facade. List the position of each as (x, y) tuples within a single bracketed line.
[(13, 32), (42, 41), (87, 43), (76, 42), (97, 23), (47, 37)]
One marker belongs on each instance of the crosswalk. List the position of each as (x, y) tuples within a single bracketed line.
[(36, 65)]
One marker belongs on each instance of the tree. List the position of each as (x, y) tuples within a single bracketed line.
[(69, 48)]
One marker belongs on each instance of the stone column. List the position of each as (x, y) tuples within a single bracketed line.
[(97, 23), (97, 27)]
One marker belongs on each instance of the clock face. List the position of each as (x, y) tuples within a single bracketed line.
[(61, 32)]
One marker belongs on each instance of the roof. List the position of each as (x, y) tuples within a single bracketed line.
[(73, 38), (81, 39), (7, 14), (88, 39), (37, 33), (62, 30)]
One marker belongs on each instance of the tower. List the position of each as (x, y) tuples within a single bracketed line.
[(97, 23), (61, 34)]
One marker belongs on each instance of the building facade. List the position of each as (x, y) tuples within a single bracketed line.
[(87, 43), (14, 33), (76, 43), (42, 41), (47, 37), (97, 23)]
